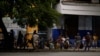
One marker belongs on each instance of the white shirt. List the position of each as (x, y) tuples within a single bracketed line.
[(35, 37)]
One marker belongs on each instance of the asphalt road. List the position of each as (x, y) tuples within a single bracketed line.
[(50, 54)]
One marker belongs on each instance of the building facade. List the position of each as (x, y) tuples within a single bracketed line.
[(79, 16)]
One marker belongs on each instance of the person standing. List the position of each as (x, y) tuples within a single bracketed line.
[(41, 42), (20, 40), (83, 41), (25, 41), (77, 41), (11, 39), (67, 44), (63, 41), (95, 40), (35, 40), (88, 40)]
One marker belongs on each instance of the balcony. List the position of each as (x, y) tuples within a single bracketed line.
[(79, 8), (84, 3)]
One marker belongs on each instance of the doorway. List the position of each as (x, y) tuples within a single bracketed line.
[(96, 25), (71, 25)]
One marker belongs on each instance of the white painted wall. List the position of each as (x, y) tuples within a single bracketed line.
[(8, 22)]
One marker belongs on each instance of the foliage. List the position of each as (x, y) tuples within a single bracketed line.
[(28, 11)]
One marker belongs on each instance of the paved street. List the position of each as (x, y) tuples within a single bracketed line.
[(51, 50), (50, 54)]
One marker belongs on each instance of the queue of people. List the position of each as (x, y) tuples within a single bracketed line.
[(86, 42), (62, 42)]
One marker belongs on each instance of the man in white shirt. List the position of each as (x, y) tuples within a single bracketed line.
[(35, 40)]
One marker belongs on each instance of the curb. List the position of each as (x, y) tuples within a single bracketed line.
[(47, 50)]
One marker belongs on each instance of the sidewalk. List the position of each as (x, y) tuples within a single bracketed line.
[(52, 50)]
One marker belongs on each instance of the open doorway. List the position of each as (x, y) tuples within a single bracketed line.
[(71, 25), (96, 25)]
